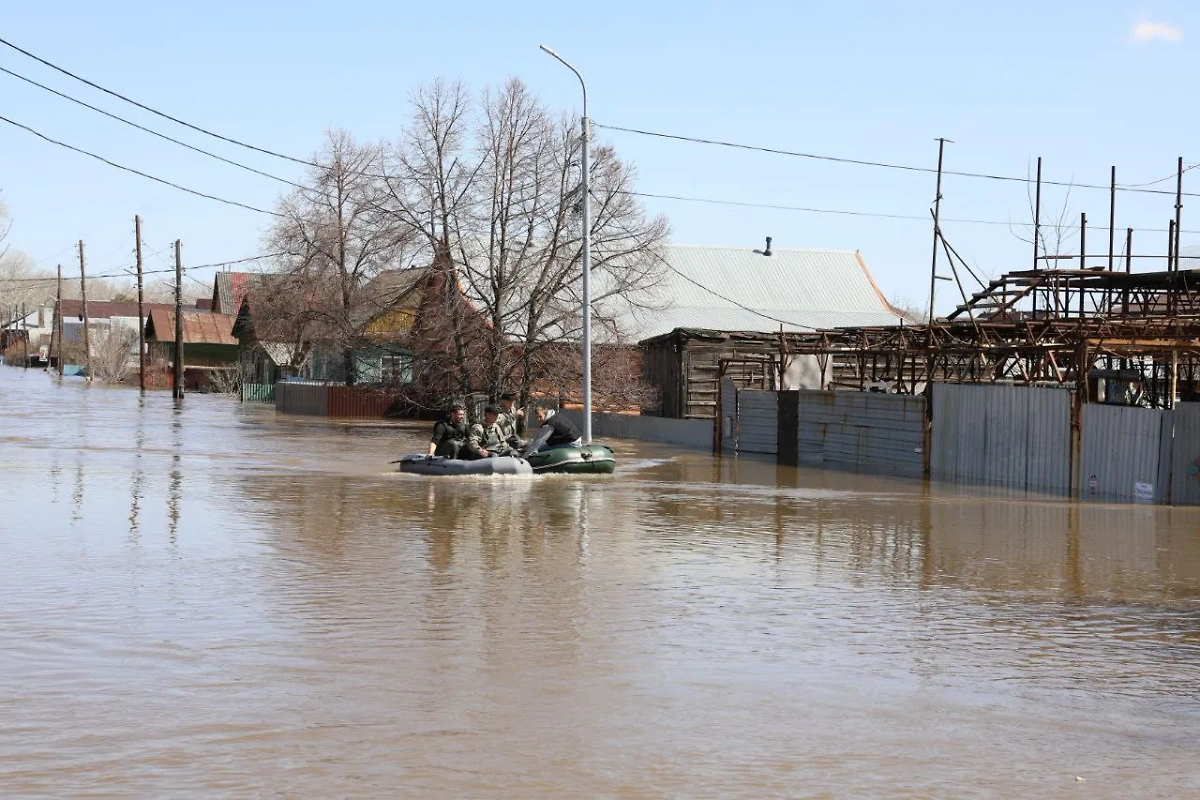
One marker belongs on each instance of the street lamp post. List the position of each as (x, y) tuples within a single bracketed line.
[(585, 138)]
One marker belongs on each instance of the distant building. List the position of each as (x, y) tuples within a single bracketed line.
[(729, 304)]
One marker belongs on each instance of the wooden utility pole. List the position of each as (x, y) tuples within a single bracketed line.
[(137, 234), (87, 341), (58, 323), (177, 372), (25, 336)]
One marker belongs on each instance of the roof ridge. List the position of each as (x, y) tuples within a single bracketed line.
[(745, 249)]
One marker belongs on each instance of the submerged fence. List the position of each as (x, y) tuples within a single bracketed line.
[(311, 398), (1021, 437)]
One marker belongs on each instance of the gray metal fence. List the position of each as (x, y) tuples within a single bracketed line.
[(1185, 455), (757, 421), (308, 398), (1014, 436), (1125, 454), (692, 433), (879, 432)]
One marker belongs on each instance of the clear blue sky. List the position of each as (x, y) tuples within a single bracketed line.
[(1085, 85)]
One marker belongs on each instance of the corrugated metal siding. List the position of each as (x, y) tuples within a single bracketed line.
[(1185, 455), (295, 397), (1121, 448), (877, 431), (1016, 436), (358, 401), (692, 433), (757, 421)]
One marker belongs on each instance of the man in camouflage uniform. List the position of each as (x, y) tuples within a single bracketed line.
[(511, 419), (452, 436), (492, 438)]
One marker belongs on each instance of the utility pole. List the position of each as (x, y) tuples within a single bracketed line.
[(58, 322), (87, 341), (177, 376), (585, 155), (937, 232), (1178, 212), (137, 233), (25, 336)]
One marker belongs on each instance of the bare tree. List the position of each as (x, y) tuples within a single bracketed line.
[(493, 189), (335, 237), (113, 352)]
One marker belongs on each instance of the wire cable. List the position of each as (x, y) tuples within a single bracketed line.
[(139, 172), (881, 164), (150, 131), (154, 111)]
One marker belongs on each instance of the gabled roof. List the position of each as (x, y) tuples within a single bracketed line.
[(229, 288), (199, 327), (740, 289)]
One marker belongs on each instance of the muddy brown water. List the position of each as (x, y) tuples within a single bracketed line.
[(221, 601)]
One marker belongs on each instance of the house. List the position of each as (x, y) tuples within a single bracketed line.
[(274, 346), (728, 306), (208, 343), (32, 326), (112, 325), (229, 289)]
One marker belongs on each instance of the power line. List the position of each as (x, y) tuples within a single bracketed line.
[(154, 111), (126, 273), (149, 130), (139, 172), (882, 164), (871, 214)]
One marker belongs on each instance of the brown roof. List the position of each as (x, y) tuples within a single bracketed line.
[(199, 327), (103, 309)]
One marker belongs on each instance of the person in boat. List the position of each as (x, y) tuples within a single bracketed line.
[(512, 418), (452, 436), (564, 432), (492, 438)]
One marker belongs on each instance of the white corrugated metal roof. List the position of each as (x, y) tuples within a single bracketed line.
[(737, 288)]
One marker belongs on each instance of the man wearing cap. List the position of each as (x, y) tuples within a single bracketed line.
[(512, 419), (451, 436), (491, 438)]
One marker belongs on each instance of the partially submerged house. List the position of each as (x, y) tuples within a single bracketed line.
[(208, 343), (732, 308)]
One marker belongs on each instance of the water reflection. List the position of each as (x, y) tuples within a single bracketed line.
[(315, 624)]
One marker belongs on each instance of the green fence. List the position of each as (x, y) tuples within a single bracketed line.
[(258, 393)]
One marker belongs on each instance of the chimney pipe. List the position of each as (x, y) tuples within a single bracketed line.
[(767, 252)]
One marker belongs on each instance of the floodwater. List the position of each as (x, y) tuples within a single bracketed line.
[(220, 601)]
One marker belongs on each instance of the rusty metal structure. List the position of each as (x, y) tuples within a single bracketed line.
[(1063, 326), (1112, 335)]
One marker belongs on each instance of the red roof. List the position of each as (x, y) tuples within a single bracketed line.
[(199, 327)]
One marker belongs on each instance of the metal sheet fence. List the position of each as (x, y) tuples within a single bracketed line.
[(692, 433), (1123, 454), (316, 399), (1002, 435), (861, 429), (757, 421), (302, 397), (1185, 455)]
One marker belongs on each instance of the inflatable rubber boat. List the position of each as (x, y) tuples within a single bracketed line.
[(573, 460), (440, 465)]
